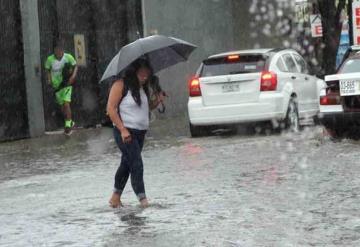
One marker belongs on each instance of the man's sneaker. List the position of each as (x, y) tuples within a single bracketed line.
[(68, 130)]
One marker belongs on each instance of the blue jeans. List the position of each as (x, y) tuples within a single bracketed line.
[(131, 163)]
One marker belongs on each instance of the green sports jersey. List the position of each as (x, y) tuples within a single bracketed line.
[(56, 67)]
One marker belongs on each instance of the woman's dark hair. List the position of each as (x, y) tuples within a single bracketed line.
[(131, 81)]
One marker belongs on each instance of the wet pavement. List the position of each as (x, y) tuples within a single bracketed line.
[(226, 190)]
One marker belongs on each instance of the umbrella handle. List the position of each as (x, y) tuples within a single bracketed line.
[(162, 109)]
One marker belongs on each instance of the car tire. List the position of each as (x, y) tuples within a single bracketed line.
[(292, 121), (316, 120), (335, 133), (199, 131)]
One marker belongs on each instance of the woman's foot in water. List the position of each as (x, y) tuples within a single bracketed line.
[(144, 203), (115, 201)]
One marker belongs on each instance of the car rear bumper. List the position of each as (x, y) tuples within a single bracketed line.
[(269, 107), (332, 119)]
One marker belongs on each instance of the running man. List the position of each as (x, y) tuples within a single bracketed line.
[(61, 73)]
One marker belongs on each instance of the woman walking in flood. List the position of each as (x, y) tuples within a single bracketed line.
[(128, 108)]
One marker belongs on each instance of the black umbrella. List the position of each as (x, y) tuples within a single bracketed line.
[(161, 51)]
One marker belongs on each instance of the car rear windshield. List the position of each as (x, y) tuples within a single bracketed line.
[(351, 66), (233, 65)]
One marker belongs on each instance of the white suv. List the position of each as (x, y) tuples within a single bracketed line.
[(252, 86)]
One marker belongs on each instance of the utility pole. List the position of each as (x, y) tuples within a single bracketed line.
[(144, 19), (32, 65)]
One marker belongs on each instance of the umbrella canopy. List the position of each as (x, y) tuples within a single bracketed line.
[(161, 51)]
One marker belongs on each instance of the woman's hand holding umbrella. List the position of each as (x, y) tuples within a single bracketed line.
[(161, 99), (157, 99)]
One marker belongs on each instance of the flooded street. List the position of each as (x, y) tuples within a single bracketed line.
[(180, 68), (236, 190)]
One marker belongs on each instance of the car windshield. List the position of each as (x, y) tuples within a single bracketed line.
[(351, 66), (237, 64)]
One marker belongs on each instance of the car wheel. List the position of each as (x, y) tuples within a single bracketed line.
[(199, 131), (354, 133), (335, 133), (316, 120), (292, 121)]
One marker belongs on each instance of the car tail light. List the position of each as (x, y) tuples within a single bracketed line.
[(233, 57), (194, 87), (330, 98), (268, 81)]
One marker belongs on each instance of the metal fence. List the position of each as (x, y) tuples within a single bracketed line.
[(13, 109)]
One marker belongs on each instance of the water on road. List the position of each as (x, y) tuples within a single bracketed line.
[(237, 190)]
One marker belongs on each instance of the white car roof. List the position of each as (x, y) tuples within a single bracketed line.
[(239, 52)]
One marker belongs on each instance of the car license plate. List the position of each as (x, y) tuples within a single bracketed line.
[(349, 87), (230, 87)]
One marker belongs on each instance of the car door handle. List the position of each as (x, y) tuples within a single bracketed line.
[(293, 77), (306, 78)]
